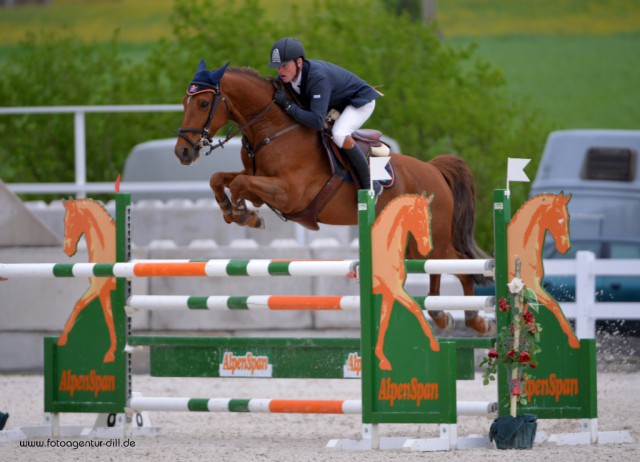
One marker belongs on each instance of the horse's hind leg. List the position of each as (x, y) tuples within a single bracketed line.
[(441, 319), (473, 319)]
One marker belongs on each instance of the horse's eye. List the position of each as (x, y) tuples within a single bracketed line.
[(204, 104)]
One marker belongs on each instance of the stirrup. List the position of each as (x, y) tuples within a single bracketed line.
[(377, 190)]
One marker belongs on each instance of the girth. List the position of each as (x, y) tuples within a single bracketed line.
[(340, 170)]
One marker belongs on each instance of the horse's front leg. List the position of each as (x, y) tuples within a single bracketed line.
[(259, 190), (218, 182)]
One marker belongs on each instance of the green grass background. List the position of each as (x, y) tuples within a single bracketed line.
[(577, 60)]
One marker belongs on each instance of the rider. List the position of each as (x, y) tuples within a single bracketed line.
[(322, 86)]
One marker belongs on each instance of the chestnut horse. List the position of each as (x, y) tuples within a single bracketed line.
[(286, 168)]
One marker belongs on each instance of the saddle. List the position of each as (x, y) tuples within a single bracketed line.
[(370, 143)]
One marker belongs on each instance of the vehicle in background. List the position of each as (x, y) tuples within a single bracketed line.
[(156, 161), (600, 169)]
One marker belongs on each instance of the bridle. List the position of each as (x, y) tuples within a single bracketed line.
[(206, 138)]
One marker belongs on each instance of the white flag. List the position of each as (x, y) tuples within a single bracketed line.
[(515, 170), (377, 166)]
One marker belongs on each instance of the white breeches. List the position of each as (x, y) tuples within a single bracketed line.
[(351, 119)]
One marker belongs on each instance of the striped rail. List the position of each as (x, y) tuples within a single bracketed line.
[(280, 406), (294, 302), (223, 267), (177, 268)]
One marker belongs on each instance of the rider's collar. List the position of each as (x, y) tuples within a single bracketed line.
[(295, 84)]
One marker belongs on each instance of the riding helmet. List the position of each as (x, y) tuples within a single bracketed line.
[(284, 50)]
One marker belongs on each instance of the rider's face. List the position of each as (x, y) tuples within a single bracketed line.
[(287, 72)]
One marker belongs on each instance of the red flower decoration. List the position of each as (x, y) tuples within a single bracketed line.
[(533, 366), (492, 353), (511, 354), (502, 303), (524, 357), (529, 318)]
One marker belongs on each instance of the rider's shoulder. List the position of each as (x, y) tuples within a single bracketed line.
[(318, 64), (322, 69)]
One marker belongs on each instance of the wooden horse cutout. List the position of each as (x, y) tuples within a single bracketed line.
[(389, 236), (89, 218), (525, 236), (285, 167)]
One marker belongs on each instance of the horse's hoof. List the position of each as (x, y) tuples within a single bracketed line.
[(444, 322), (62, 340), (260, 223), (109, 357), (482, 325)]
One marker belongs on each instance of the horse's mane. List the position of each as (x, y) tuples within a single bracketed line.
[(251, 72)]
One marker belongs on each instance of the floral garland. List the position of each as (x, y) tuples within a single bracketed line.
[(517, 344)]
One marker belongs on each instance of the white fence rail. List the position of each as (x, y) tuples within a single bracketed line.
[(80, 187), (586, 310)]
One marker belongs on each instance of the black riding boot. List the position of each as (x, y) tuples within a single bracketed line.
[(360, 166)]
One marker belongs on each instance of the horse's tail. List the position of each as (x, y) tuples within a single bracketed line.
[(459, 177)]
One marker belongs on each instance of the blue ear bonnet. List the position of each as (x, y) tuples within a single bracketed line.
[(205, 80)]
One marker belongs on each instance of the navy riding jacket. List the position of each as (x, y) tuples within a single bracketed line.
[(327, 86)]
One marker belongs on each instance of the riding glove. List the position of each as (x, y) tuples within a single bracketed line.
[(282, 100)]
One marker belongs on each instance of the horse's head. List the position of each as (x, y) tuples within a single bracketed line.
[(73, 227), (202, 118), (557, 221), (420, 223)]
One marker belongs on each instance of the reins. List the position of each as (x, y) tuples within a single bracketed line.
[(206, 139)]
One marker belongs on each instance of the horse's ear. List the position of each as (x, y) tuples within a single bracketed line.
[(218, 73), (201, 67)]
